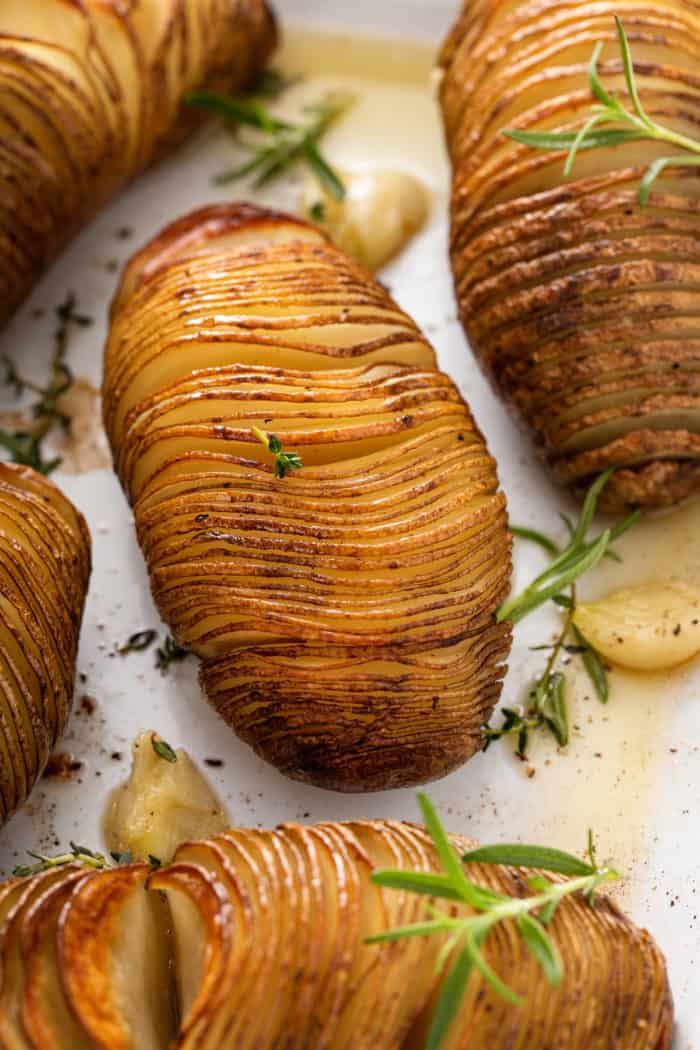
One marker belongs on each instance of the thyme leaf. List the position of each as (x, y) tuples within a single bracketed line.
[(284, 461), (163, 749), (137, 642), (465, 936), (609, 109), (169, 653)]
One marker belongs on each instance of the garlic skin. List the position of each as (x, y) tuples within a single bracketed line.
[(162, 805), (381, 212), (651, 627)]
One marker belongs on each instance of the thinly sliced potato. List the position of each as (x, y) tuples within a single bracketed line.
[(651, 627), (44, 572), (255, 940), (345, 613), (92, 92), (581, 305)]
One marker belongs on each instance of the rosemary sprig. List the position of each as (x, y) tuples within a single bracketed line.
[(277, 145), (77, 855), (284, 461), (466, 936), (547, 707), (577, 558), (609, 109), (26, 445)]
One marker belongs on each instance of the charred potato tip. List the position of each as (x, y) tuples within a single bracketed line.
[(44, 572), (580, 304), (344, 614), (256, 938)]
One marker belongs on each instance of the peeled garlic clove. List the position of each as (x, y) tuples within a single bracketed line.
[(651, 627), (162, 805), (382, 210)]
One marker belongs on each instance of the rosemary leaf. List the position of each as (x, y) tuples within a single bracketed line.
[(519, 856), (611, 110)]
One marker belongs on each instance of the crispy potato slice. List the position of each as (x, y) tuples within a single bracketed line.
[(114, 960)]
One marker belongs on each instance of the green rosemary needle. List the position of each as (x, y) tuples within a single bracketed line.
[(465, 936), (278, 145), (572, 562), (609, 109)]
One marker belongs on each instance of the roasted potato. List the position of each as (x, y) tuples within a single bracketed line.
[(90, 93), (44, 572), (256, 939), (345, 613), (580, 304)]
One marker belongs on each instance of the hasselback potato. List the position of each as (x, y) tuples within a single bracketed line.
[(256, 939), (44, 572), (581, 304), (344, 613), (91, 92)]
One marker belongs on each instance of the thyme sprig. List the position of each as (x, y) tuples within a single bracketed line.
[(284, 461), (276, 145), (77, 855), (462, 953), (547, 707), (26, 445), (609, 109)]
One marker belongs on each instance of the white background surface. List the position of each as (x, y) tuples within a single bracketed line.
[(632, 771)]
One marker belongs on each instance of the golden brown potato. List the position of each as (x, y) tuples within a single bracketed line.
[(256, 939), (90, 93), (44, 572), (344, 613), (580, 305)]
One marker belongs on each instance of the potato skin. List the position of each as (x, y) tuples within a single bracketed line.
[(44, 573), (579, 304), (260, 942), (345, 614), (91, 93)]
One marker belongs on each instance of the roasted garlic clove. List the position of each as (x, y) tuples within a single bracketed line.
[(163, 804), (652, 627), (90, 94), (579, 303), (44, 572), (381, 212), (345, 613)]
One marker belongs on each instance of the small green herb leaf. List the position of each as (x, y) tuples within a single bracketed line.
[(284, 461), (163, 749)]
